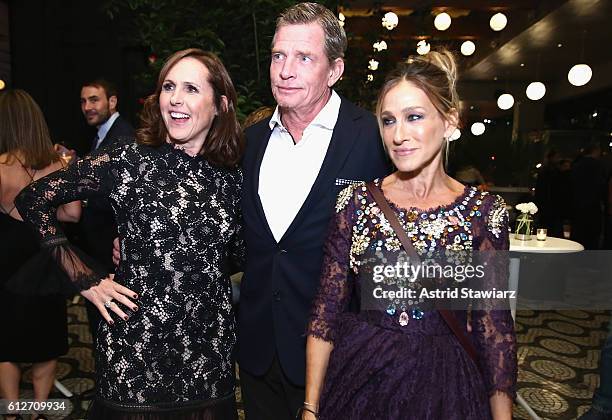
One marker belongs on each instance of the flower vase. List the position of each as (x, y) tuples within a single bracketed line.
[(524, 227)]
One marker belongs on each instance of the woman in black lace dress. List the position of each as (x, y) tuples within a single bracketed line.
[(166, 348)]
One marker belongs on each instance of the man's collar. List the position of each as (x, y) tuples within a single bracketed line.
[(326, 118), (275, 119), (103, 128)]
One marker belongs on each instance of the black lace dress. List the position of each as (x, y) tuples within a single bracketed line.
[(180, 227)]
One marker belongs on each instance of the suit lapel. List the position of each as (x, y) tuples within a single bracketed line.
[(342, 142), (263, 136)]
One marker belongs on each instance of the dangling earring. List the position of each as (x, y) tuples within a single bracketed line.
[(446, 147)]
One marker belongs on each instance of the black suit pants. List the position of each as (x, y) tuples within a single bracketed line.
[(271, 396)]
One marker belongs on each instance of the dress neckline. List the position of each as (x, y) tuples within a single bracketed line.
[(465, 195), (179, 151)]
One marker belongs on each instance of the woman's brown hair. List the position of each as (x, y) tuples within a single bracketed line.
[(224, 143), (23, 129)]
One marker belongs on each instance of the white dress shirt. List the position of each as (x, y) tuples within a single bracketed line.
[(103, 128), (289, 170)]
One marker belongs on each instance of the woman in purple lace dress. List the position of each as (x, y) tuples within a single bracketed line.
[(401, 360)]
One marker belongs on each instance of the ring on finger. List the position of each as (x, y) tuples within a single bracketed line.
[(108, 303)]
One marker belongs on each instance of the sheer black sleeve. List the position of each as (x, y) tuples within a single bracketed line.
[(92, 176)]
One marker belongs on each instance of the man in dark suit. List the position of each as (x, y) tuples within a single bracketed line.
[(99, 106), (295, 163), (97, 227)]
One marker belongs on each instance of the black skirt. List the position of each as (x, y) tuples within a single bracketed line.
[(34, 328), (223, 408)]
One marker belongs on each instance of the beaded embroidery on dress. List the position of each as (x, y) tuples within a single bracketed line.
[(397, 362)]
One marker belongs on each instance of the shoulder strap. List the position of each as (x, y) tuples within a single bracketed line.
[(447, 315), (2, 208)]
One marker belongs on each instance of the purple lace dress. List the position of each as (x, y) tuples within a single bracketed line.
[(381, 369)]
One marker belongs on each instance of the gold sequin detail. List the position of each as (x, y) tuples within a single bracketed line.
[(498, 216), (344, 197)]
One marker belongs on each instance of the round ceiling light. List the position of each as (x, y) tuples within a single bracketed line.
[(477, 128), (468, 48), (423, 47), (505, 101), (380, 46), (455, 136), (443, 21), (580, 75), (390, 20), (498, 21), (535, 91)]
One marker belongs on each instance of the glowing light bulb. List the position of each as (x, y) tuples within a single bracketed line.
[(468, 48), (443, 21)]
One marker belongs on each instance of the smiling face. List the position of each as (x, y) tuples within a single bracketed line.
[(412, 128), (96, 106), (300, 72), (187, 102)]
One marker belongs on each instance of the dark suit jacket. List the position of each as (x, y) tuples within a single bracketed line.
[(121, 131), (97, 227), (281, 279)]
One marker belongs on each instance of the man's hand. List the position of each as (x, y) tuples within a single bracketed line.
[(116, 252), (104, 295)]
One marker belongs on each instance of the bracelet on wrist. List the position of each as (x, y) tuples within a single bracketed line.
[(310, 410)]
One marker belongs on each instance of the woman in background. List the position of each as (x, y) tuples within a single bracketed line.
[(33, 327)]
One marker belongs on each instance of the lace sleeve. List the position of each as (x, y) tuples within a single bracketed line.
[(88, 177), (492, 323), (335, 286)]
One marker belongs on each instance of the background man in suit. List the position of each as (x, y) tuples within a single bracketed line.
[(97, 227), (99, 106), (295, 163)]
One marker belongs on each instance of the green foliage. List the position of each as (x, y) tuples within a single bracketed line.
[(239, 31)]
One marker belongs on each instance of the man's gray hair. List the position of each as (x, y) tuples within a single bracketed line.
[(305, 13)]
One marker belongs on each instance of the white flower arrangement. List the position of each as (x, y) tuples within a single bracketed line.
[(530, 208), (524, 220)]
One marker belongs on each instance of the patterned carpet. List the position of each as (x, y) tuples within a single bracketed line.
[(558, 361)]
